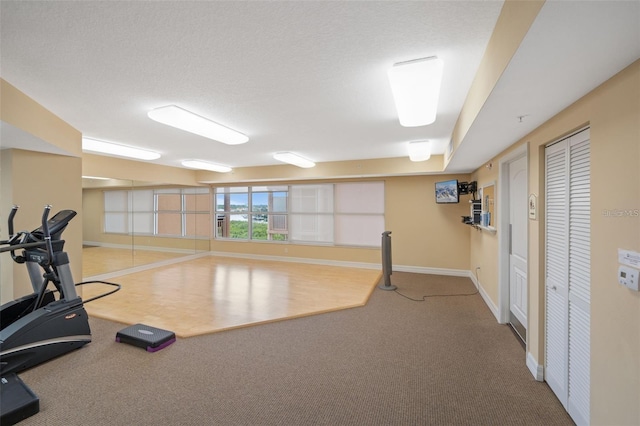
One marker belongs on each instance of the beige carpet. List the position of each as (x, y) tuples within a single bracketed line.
[(444, 361)]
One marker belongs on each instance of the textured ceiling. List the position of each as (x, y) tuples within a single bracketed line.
[(308, 77)]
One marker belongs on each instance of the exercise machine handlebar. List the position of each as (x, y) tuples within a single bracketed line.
[(12, 214), (47, 235), (25, 240)]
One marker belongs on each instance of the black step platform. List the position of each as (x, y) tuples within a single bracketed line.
[(144, 336), (17, 401)]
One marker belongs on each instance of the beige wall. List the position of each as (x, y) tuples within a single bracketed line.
[(424, 234), (484, 267), (31, 180), (613, 113), (118, 168), (400, 166), (19, 110)]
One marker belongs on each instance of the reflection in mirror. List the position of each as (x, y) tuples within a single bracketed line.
[(130, 223), (488, 217)]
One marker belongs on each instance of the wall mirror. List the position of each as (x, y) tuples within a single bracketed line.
[(488, 206), (131, 223)]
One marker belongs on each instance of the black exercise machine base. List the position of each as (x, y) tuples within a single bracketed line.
[(144, 336), (17, 401)]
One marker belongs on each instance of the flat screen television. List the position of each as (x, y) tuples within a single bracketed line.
[(447, 192)]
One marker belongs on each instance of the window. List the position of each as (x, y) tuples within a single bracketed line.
[(269, 213), (232, 213), (257, 213), (349, 214)]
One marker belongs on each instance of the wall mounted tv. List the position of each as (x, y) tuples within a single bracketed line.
[(447, 192)]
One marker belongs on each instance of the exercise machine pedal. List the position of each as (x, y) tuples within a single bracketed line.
[(17, 400)]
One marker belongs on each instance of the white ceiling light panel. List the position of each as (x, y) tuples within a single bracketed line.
[(416, 89), (101, 147), (205, 165), (296, 160), (182, 119)]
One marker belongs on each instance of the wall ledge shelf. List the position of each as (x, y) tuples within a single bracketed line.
[(488, 229)]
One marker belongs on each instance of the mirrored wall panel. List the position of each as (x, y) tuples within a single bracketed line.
[(129, 223)]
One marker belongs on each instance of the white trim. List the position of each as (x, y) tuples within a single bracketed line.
[(360, 265), (487, 300), (536, 369), (503, 230), (431, 271), (137, 247)]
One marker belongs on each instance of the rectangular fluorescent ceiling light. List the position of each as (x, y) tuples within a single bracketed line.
[(109, 148), (95, 177), (419, 150), (416, 88), (296, 160), (185, 120), (205, 165)]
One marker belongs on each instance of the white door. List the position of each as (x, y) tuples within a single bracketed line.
[(518, 216), (568, 275)]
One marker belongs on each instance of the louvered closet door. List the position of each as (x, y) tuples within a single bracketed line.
[(556, 288), (568, 273)]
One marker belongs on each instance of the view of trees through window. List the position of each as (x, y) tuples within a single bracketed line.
[(330, 214), (257, 213)]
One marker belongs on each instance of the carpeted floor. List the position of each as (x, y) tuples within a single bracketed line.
[(443, 361)]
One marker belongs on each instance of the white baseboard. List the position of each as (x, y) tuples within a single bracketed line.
[(535, 369), (107, 245), (137, 247), (431, 271), (492, 307), (361, 265)]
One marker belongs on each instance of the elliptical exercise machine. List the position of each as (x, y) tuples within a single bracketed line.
[(36, 327)]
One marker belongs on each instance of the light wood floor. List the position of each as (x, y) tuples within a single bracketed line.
[(100, 260), (209, 294)]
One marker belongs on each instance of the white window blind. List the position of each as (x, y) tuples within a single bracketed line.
[(342, 214), (164, 211), (359, 216), (311, 215), (116, 212), (142, 209)]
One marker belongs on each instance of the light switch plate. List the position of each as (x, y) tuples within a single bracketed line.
[(629, 258)]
